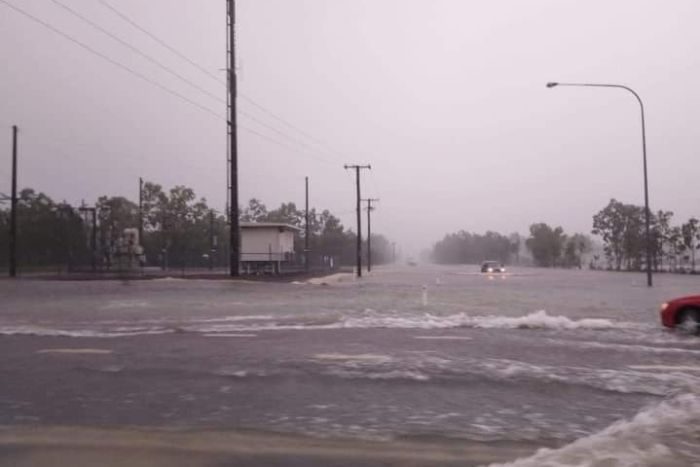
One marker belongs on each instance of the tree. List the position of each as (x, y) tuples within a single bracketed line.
[(609, 224), (634, 237), (661, 232), (176, 225), (691, 233), (622, 228), (287, 213), (467, 248), (114, 215), (515, 242), (575, 247), (254, 212), (49, 233), (333, 238), (676, 245), (546, 244), (177, 229)]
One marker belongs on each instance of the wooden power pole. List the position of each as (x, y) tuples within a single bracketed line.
[(359, 212)]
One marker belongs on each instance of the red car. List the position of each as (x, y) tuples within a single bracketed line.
[(684, 312)]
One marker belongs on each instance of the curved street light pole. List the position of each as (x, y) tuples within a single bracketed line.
[(647, 213)]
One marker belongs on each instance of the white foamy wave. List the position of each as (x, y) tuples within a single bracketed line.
[(368, 366), (411, 375), (242, 373), (370, 358), (542, 320), (372, 319), (429, 367), (624, 380), (663, 435), (226, 319), (366, 320), (422, 367)]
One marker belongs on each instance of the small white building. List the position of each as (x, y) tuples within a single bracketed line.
[(266, 245)]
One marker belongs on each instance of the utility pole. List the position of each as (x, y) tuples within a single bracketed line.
[(140, 211), (93, 235), (369, 231), (93, 239), (13, 207), (393, 252), (359, 216), (235, 230), (211, 239), (306, 234), (164, 239)]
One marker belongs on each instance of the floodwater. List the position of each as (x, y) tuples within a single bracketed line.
[(575, 362)]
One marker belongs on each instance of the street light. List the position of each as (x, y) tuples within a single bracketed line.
[(644, 154)]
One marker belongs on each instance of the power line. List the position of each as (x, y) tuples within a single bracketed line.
[(174, 73), (279, 143), (160, 86), (282, 120), (110, 60), (137, 50), (148, 80), (203, 70), (281, 133), (161, 42)]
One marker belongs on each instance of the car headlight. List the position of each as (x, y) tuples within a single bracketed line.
[(489, 270), (664, 306)]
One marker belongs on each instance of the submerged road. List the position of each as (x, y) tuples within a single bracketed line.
[(485, 369)]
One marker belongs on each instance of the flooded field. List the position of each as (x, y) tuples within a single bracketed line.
[(575, 362)]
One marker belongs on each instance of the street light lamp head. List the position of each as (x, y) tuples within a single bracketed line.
[(551, 85)]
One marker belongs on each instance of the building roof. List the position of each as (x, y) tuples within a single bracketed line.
[(268, 225)]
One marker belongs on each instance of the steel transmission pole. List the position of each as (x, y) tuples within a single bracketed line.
[(235, 231)]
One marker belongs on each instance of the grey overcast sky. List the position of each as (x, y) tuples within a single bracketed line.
[(445, 98)]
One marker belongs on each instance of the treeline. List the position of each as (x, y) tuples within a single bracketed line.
[(620, 226), (50, 233), (468, 248), (623, 231), (179, 230), (552, 247), (549, 247)]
